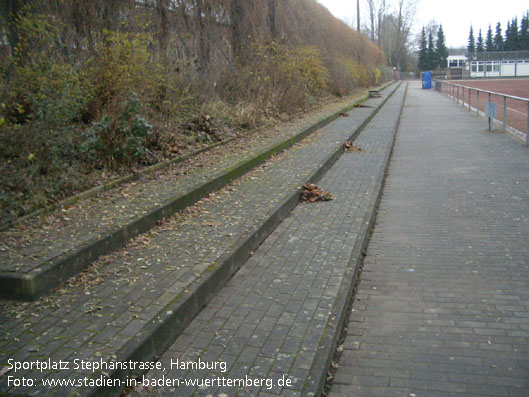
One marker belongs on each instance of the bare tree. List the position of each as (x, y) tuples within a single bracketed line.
[(272, 17), (405, 14), (377, 13), (431, 28), (203, 17), (236, 16), (163, 34), (380, 24), (372, 9)]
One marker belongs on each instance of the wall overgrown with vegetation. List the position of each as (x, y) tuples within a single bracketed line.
[(93, 88)]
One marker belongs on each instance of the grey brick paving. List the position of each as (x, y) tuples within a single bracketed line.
[(442, 306), (291, 282), (36, 241), (131, 288)]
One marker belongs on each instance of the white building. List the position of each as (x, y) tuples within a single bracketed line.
[(498, 64), (456, 61)]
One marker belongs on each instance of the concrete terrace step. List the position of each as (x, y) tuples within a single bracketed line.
[(39, 254), (279, 317), (132, 304)]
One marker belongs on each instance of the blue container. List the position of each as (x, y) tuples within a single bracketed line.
[(427, 80)]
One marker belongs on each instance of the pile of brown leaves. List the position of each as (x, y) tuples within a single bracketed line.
[(208, 129), (312, 193), (349, 147)]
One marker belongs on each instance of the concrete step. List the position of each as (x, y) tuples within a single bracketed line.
[(280, 316), (40, 253), (132, 304)]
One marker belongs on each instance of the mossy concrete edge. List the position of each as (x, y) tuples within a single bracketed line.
[(323, 360)]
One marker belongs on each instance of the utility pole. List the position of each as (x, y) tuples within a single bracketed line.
[(358, 15)]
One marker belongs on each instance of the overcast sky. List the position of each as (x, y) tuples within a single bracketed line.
[(455, 15)]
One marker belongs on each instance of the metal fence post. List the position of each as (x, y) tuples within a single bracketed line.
[(527, 127), (453, 90), (504, 112), (491, 120)]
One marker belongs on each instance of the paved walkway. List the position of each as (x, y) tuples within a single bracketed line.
[(108, 310), (273, 321), (442, 307)]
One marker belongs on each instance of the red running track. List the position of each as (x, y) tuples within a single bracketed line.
[(516, 114)]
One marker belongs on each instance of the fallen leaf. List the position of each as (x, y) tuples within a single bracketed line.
[(312, 193), (349, 147)]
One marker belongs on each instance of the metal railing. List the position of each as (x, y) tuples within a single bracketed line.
[(460, 93)]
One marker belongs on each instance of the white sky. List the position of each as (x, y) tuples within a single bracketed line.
[(455, 15)]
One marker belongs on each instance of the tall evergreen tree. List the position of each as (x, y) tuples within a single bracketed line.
[(524, 33), (432, 56), (498, 38), (423, 52), (440, 48), (471, 47), (509, 42), (489, 44), (515, 34), (479, 43)]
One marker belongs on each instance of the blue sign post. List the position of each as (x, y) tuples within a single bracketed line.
[(427, 80)]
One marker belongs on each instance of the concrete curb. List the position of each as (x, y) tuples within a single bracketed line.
[(112, 184), (127, 178), (322, 362), (159, 334), (31, 285)]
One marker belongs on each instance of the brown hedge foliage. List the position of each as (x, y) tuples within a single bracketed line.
[(93, 86)]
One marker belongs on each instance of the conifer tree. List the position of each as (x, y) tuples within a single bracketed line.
[(498, 38), (471, 47), (524, 33), (479, 43), (489, 44), (440, 48), (432, 56), (423, 52), (508, 45), (514, 35)]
